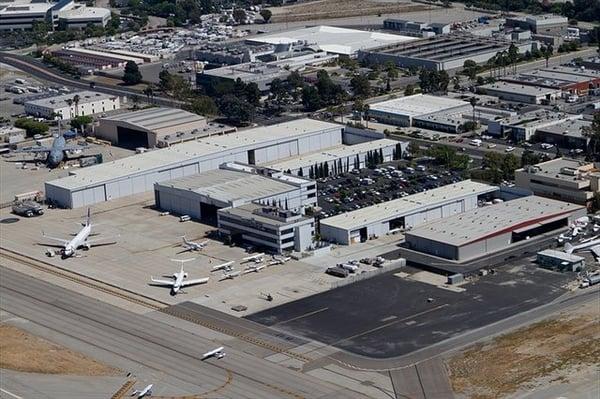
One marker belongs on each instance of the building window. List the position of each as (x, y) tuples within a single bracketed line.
[(312, 195), (286, 240), (287, 231)]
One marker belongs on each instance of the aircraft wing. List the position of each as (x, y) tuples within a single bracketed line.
[(61, 240), (38, 149), (101, 241), (194, 282), (161, 282)]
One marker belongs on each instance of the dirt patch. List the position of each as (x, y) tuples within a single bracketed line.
[(555, 347), (323, 9), (21, 351)]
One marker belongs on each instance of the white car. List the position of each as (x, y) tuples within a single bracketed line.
[(509, 149), (491, 145)]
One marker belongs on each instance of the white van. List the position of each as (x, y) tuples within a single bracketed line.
[(475, 142)]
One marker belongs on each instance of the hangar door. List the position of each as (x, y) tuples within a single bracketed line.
[(131, 138)]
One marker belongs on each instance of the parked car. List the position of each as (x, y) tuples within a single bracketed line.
[(27, 208)]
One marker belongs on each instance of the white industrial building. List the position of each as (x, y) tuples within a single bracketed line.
[(490, 229), (523, 127), (277, 230), (232, 185), (404, 213), (156, 127), (65, 14), (401, 111), (343, 158), (139, 173), (66, 106), (520, 92), (332, 39)]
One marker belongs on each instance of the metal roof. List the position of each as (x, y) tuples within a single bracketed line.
[(561, 255), (331, 154), (493, 220), (555, 168), (408, 205), (519, 89), (572, 128), (153, 119), (189, 152), (334, 39), (417, 105), (60, 101), (228, 185)]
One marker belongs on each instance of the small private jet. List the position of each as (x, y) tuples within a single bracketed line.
[(143, 392), (279, 260), (178, 280), (223, 266), (193, 246), (253, 269), (230, 275), (583, 245), (218, 353), (69, 248), (258, 258)]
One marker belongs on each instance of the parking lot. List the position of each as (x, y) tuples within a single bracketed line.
[(392, 180), (391, 315)]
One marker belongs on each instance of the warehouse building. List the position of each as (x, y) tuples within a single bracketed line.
[(404, 213), (332, 39), (520, 92), (138, 173), (560, 261), (93, 59), (341, 159), (546, 24), (569, 134), (66, 106), (156, 127), (277, 230), (402, 111), (444, 52), (490, 229), (523, 127), (65, 13), (577, 81), (232, 185), (562, 179)]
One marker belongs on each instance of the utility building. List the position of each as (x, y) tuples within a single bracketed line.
[(404, 213), (139, 173), (490, 229)]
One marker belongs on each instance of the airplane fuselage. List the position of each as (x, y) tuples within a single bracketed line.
[(57, 152), (179, 276), (80, 240)]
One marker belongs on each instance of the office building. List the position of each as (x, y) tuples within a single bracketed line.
[(520, 92), (570, 134), (560, 261), (524, 126), (67, 106)]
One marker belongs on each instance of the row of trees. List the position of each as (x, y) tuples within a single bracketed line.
[(433, 81), (583, 10), (31, 127)]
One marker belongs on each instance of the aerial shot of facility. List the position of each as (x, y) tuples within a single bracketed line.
[(315, 199)]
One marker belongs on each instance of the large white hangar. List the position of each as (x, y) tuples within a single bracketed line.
[(404, 213), (138, 173), (232, 185), (490, 229)]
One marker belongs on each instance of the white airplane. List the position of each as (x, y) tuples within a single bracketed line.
[(219, 353), (81, 239), (230, 275), (223, 266), (258, 258), (570, 248), (179, 279), (279, 260), (254, 268), (144, 392), (193, 246)]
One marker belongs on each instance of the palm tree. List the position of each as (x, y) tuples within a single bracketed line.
[(69, 103), (473, 102), (149, 92), (76, 99), (135, 99), (366, 112)]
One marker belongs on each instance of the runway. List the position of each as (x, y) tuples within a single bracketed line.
[(110, 332)]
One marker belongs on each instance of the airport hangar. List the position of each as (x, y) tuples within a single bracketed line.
[(490, 229), (138, 173), (232, 185), (404, 213)]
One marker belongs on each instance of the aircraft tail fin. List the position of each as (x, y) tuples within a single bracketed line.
[(88, 220), (568, 248)]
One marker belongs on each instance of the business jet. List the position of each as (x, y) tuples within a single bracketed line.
[(144, 392), (279, 260), (588, 245), (254, 268), (223, 266), (230, 275), (193, 246), (178, 279), (258, 258), (69, 248), (218, 353)]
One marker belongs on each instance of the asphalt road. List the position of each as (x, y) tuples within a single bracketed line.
[(170, 351), (39, 70)]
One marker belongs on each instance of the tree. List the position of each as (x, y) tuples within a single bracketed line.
[(252, 93), (311, 98), (409, 90), (414, 149), (470, 69), (473, 101), (266, 15), (132, 75), (360, 86), (239, 15), (295, 79), (135, 99), (31, 127), (391, 70), (203, 105), (76, 99), (80, 122), (149, 92), (237, 110)]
